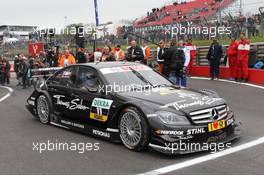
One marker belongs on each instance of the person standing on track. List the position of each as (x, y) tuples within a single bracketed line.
[(2, 72), (119, 53), (160, 51), (66, 59), (8, 68), (134, 53), (173, 62), (24, 71), (232, 57), (80, 56), (108, 55), (181, 79), (146, 52), (243, 55), (192, 48), (214, 56)]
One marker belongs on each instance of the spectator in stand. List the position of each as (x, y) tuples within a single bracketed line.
[(214, 56), (134, 53), (160, 51), (108, 55), (232, 59), (66, 59), (243, 55), (80, 56), (192, 48), (146, 52), (119, 53)]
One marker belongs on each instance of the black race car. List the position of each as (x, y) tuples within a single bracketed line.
[(131, 103)]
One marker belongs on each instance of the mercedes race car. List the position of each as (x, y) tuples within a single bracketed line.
[(133, 104)]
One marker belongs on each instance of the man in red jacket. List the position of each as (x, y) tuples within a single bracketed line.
[(192, 48), (243, 55), (232, 57)]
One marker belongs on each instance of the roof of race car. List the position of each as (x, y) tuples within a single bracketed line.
[(100, 65)]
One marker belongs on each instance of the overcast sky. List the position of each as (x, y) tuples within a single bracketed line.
[(52, 12)]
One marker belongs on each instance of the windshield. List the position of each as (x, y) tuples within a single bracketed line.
[(139, 76)]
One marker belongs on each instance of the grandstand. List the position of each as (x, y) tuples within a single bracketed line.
[(195, 11)]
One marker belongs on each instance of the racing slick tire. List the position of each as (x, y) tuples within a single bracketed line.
[(134, 129), (43, 109)]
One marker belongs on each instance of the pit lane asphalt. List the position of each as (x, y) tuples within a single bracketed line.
[(18, 131)]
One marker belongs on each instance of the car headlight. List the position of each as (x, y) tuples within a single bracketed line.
[(172, 118)]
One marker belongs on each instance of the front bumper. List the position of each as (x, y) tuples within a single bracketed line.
[(203, 140)]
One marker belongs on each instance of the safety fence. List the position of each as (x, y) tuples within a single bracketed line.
[(256, 53)]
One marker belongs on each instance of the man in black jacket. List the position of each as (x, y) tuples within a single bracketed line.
[(51, 58), (81, 57), (214, 56), (135, 53), (173, 62), (24, 71)]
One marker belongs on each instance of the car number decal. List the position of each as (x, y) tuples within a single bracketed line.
[(100, 109)]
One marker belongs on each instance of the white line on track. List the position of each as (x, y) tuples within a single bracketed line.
[(206, 158), (7, 95)]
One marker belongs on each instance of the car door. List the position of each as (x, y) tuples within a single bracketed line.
[(60, 87), (88, 90)]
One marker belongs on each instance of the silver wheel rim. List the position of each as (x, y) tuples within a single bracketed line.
[(43, 109), (130, 129)]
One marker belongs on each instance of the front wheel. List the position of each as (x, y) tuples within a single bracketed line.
[(43, 109), (134, 129)]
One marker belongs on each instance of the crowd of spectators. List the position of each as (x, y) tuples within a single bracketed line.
[(56, 57), (199, 16)]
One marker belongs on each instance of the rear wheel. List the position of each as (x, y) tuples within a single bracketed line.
[(134, 130), (43, 109)]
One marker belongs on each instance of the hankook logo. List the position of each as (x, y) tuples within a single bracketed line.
[(215, 114)]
